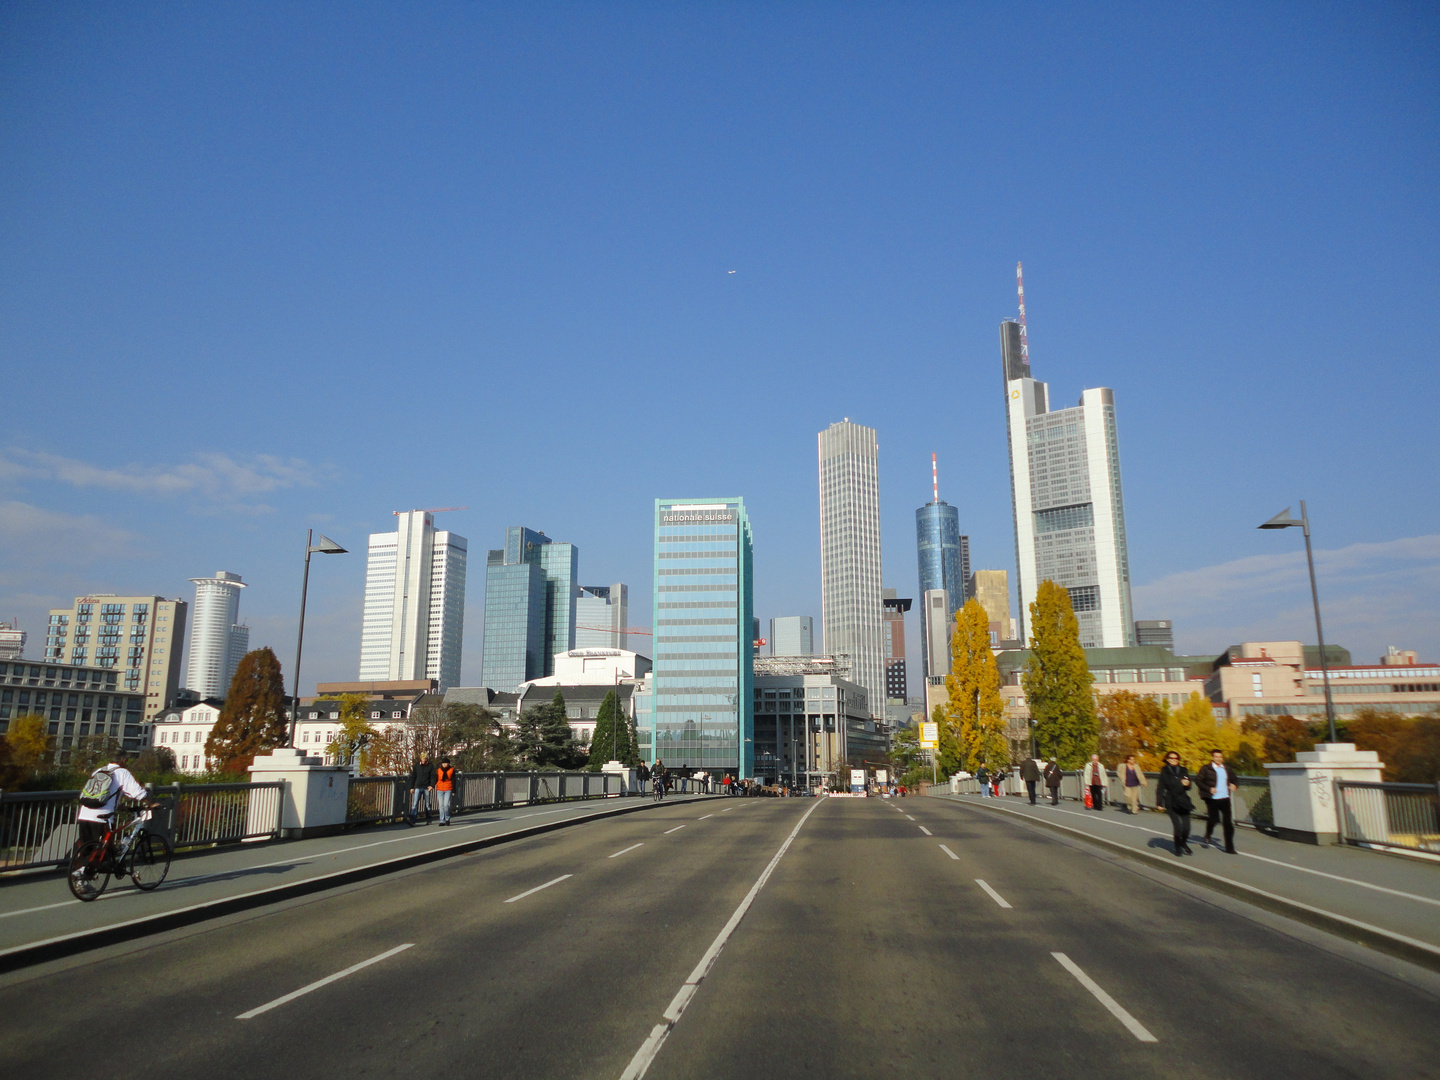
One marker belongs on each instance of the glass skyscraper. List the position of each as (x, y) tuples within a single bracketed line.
[(530, 593), (944, 556), (703, 717)]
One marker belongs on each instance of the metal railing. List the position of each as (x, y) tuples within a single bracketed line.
[(1405, 816), (37, 828), (386, 798), (376, 798), (1251, 801)]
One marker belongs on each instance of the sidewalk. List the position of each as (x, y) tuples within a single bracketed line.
[(1390, 901), (39, 919)]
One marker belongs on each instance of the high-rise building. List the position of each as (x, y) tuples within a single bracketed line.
[(530, 602), (12, 641), (702, 711), (602, 613), (1155, 632), (1065, 487), (852, 617), (414, 603), (992, 589), (217, 640), (140, 636), (897, 687), (944, 558), (792, 635)]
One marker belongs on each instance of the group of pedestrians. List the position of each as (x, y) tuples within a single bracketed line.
[(426, 780)]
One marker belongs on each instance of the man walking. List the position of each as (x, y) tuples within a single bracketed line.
[(1095, 779), (444, 788), (983, 775), (1030, 773), (1132, 778), (1053, 776), (1217, 784), (422, 781)]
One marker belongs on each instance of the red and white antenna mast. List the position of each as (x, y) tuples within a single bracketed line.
[(934, 478), (1020, 287)]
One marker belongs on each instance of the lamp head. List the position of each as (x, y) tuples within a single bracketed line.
[(326, 546), (1282, 520)]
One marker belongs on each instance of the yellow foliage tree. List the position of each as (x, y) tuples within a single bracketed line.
[(1132, 723), (29, 741), (355, 733), (976, 711), (1193, 732)]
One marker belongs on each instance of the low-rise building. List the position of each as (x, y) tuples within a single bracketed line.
[(810, 720), (76, 701), (184, 730), (1284, 678)]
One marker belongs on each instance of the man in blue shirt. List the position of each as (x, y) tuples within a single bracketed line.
[(1217, 784)]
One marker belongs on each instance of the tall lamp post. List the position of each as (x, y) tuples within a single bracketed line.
[(1283, 520), (325, 547)]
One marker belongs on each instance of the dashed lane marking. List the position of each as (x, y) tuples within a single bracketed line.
[(926, 831), (323, 982), (1134, 1026), (622, 851), (947, 851), (537, 888), (676, 829), (993, 894)]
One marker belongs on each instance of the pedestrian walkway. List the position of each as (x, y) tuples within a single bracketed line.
[(1393, 895), (36, 907)]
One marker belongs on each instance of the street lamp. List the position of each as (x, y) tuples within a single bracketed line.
[(1283, 520), (325, 547)]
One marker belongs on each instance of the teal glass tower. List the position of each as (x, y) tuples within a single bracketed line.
[(530, 591), (702, 712)]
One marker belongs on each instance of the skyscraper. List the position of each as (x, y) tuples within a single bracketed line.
[(414, 602), (704, 636), (944, 557), (1065, 495), (992, 589), (145, 632), (602, 612), (217, 640), (530, 594), (792, 635), (897, 687), (850, 552)]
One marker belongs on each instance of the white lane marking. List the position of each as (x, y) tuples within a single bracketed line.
[(704, 816), (322, 982), (537, 888), (926, 831), (622, 851), (947, 851), (727, 809), (656, 1039), (993, 894), (909, 818), (677, 828), (1134, 1026)]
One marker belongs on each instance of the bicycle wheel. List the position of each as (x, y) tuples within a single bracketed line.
[(89, 872), (150, 861)]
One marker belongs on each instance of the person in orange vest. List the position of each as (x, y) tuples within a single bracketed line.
[(444, 788)]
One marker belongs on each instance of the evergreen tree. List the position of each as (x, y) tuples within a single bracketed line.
[(612, 734), (976, 710), (558, 748), (1057, 680), (253, 718)]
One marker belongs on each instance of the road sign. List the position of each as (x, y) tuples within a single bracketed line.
[(882, 776), (929, 736)]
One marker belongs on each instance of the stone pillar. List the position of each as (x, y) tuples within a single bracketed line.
[(630, 785), (315, 793), (1302, 792)]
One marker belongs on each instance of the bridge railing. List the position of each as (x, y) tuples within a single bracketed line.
[(1405, 816), (37, 828)]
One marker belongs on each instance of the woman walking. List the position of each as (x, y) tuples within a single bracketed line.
[(1174, 796)]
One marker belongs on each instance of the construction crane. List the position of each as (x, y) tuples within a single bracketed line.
[(643, 630), (429, 510)]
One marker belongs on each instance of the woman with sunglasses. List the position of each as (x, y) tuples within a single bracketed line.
[(1174, 796)]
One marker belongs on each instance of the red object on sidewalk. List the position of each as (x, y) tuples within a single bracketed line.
[(1088, 804)]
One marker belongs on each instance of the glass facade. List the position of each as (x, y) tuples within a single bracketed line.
[(944, 557), (530, 592), (703, 626)]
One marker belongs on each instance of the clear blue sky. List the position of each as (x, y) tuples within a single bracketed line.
[(266, 267)]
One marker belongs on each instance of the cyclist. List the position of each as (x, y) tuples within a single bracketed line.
[(657, 775), (107, 786)]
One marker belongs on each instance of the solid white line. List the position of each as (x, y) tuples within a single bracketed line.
[(947, 851), (993, 894), (704, 816), (322, 982), (656, 1039), (677, 828), (926, 831), (622, 851), (537, 888), (1134, 1026)]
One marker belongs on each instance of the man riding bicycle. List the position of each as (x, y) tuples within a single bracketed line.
[(95, 820)]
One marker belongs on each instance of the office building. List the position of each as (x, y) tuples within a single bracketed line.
[(811, 721), (1065, 496), (531, 590), (140, 637), (703, 625), (852, 618), (1155, 632), (944, 563), (792, 635), (12, 641), (897, 687), (217, 640), (992, 589), (77, 702), (602, 615)]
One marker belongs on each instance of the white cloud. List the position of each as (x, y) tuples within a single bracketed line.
[(32, 537)]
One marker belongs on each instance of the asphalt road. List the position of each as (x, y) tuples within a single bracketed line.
[(869, 951)]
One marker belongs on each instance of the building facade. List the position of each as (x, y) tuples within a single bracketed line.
[(1284, 678), (602, 615), (76, 702), (12, 641), (531, 591), (897, 686), (217, 640), (811, 721), (852, 616), (703, 636), (414, 615), (1155, 632), (992, 589), (1065, 495), (140, 637), (944, 558), (792, 635)]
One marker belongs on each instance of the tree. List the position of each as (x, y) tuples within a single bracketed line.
[(611, 741), (975, 708), (478, 741), (950, 754), (30, 744), (1057, 680), (253, 718), (1280, 737), (1417, 753), (354, 735), (558, 748), (910, 762), (1194, 731), (1132, 723), (92, 751), (1372, 729)]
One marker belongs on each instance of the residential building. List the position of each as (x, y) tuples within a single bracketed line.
[(584, 677), (12, 641), (184, 730), (792, 635), (531, 589), (391, 701), (944, 559), (992, 589), (810, 720), (703, 635), (77, 702), (1155, 632), (217, 640), (1284, 678), (602, 615), (897, 688), (141, 637), (1065, 495), (852, 617), (414, 602)]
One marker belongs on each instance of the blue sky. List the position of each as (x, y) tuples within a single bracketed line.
[(268, 267)]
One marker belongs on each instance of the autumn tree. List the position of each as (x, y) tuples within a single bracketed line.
[(1133, 723), (1374, 729), (1280, 737), (1057, 680), (1416, 752), (950, 754), (354, 736), (30, 744), (1194, 730), (253, 718), (975, 707)]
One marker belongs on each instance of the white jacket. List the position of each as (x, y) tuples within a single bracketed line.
[(1094, 774), (125, 784)]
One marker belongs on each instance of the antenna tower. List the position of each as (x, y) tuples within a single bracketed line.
[(1020, 287), (934, 478)]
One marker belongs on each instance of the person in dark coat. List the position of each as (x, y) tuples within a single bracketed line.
[(1173, 793), (1030, 773), (422, 782), (1053, 774), (983, 775), (1217, 785)]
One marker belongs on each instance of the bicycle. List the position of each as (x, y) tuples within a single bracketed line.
[(142, 856), (659, 785)]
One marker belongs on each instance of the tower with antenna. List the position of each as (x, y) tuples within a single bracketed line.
[(943, 555)]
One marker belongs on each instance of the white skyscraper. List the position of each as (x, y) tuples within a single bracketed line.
[(602, 614), (792, 635), (414, 603), (1065, 484), (217, 640), (850, 592)]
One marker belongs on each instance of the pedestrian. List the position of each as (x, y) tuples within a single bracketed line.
[(983, 775), (1030, 773), (996, 779), (1217, 783), (444, 788), (1174, 796), (1095, 779), (1132, 777), (422, 782), (1053, 775)]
